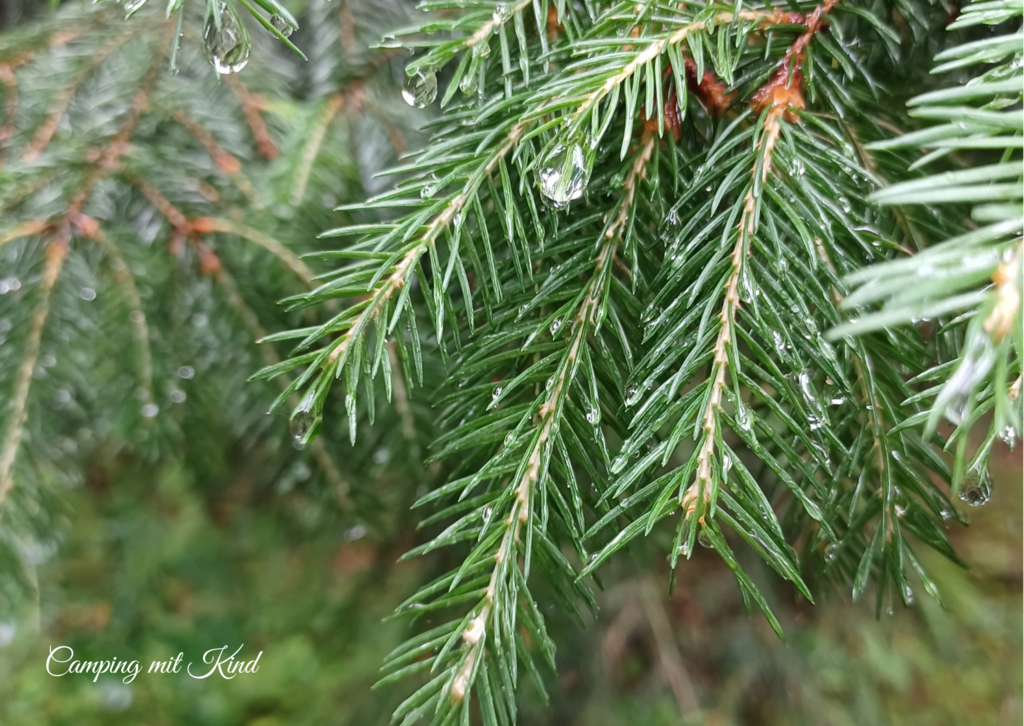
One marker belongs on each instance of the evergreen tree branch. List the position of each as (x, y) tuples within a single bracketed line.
[(56, 251)]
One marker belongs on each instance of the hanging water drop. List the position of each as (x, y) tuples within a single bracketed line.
[(832, 552), (502, 13), (1009, 436), (976, 488), (227, 45), (481, 50), (704, 539), (420, 89), (281, 25), (563, 174), (303, 421), (742, 416)]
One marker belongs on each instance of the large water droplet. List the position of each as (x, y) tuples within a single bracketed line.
[(303, 420), (563, 174), (481, 50), (1009, 436), (420, 89), (976, 488), (703, 538), (281, 25), (227, 47)]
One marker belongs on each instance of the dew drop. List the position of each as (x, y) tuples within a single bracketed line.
[(976, 488), (742, 416), (832, 552), (303, 420), (468, 82), (502, 13), (555, 325), (227, 47), (480, 50), (1009, 436), (563, 174), (594, 416), (703, 538), (510, 438), (281, 25), (420, 89), (150, 410)]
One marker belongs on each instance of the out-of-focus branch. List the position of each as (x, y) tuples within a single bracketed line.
[(252, 324), (55, 254), (251, 107)]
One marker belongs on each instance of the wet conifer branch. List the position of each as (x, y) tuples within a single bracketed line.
[(548, 416)]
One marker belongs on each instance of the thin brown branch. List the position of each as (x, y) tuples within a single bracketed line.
[(206, 225), (26, 229), (670, 659), (225, 161), (251, 107), (784, 89)]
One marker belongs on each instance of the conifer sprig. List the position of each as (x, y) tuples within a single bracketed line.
[(972, 283)]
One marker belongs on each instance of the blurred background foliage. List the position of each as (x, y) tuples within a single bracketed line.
[(212, 529)]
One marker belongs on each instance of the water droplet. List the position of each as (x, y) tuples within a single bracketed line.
[(510, 438), (908, 594), (816, 415), (480, 50), (563, 174), (303, 420), (742, 416), (976, 488), (1009, 436), (832, 552), (186, 372), (555, 325), (281, 25), (468, 82), (495, 397), (420, 89), (726, 468), (150, 410), (227, 47), (502, 13), (704, 539), (632, 396), (594, 416), (87, 294), (178, 396)]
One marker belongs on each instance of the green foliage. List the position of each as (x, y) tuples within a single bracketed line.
[(971, 283), (625, 240), (150, 223), (657, 351)]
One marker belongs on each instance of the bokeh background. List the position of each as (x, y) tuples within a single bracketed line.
[(225, 540)]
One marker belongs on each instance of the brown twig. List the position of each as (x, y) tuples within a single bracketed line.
[(251, 107), (785, 87)]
